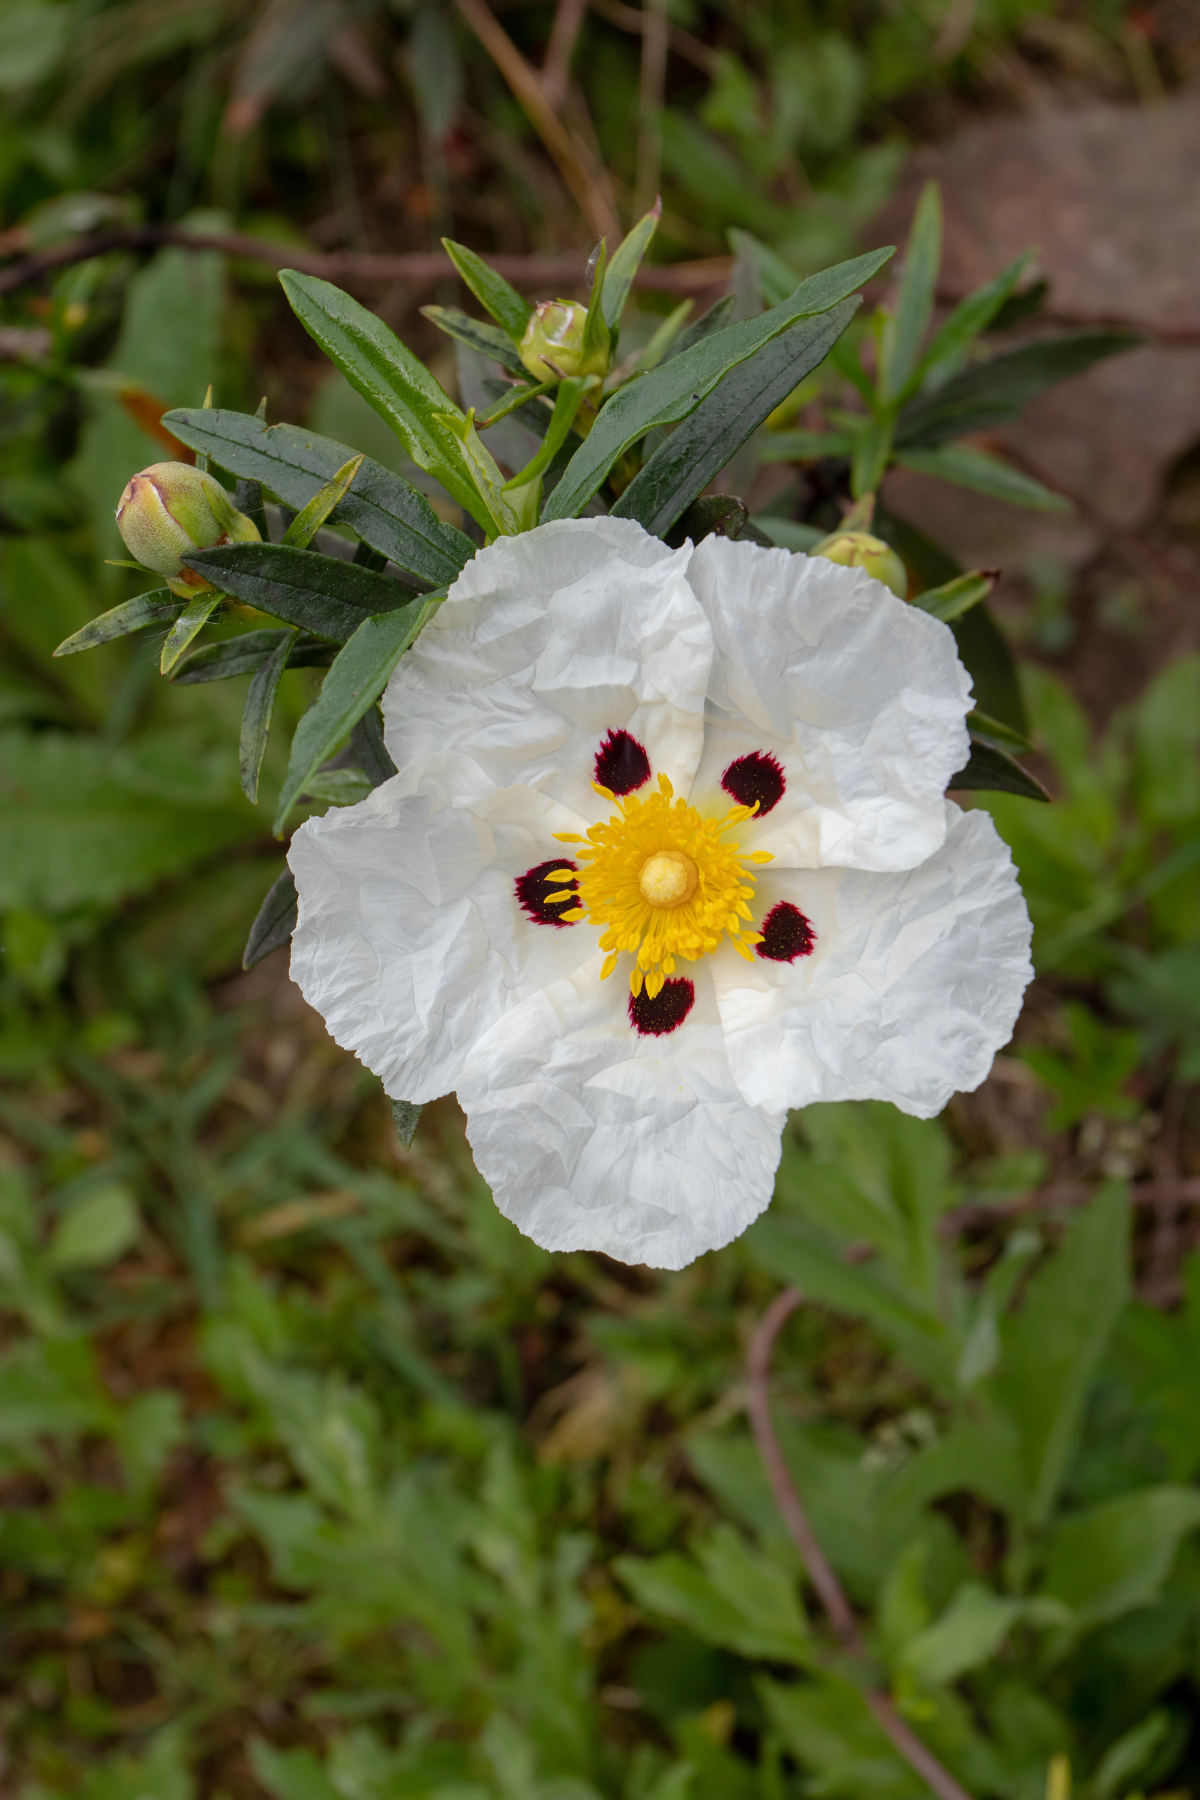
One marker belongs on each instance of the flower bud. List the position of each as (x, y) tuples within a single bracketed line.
[(552, 347), (859, 550), (171, 509)]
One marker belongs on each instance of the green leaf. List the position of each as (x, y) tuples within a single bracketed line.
[(954, 337), (309, 520), (956, 597), (566, 405), (132, 615), (506, 306), (985, 475), (971, 1630), (337, 787), (803, 446), (1051, 1348), (275, 920), (503, 515), (872, 448), (986, 730), (673, 390), (256, 719), (596, 339), (387, 512), (97, 1231), (372, 752), (664, 337), (355, 681), (389, 376), (406, 1116), (514, 399), (715, 319), (682, 467), (994, 771), (721, 514), (245, 655), (905, 328), (625, 264), (788, 534), (188, 626), (734, 1597), (487, 339), (1116, 1556), (985, 654), (990, 393), (321, 594)]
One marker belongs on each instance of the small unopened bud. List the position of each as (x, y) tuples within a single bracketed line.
[(859, 550), (552, 348), (171, 509)]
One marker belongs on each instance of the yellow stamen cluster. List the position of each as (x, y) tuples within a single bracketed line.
[(664, 882)]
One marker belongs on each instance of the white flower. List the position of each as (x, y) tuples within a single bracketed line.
[(772, 904)]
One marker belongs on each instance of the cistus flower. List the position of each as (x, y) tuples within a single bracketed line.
[(171, 509), (552, 347), (859, 550), (668, 853)]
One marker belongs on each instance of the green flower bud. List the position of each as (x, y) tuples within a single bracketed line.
[(859, 550), (552, 347), (171, 509)]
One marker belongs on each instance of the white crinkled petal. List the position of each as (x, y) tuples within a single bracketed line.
[(547, 642), (595, 1138), (411, 942), (860, 697), (915, 981)]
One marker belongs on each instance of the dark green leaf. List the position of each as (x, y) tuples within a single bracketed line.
[(511, 399), (953, 339), (992, 392), (489, 340), (309, 520), (872, 448), (990, 731), (321, 594), (275, 921), (985, 474), (188, 625), (905, 328), (355, 681), (596, 336), (995, 772), (157, 608), (683, 466), (406, 1116), (256, 719), (248, 498), (803, 446), (566, 405), (390, 378), (985, 654), (720, 515), (715, 319), (677, 387), (956, 597), (368, 745), (506, 306), (386, 511), (244, 655), (1019, 307), (625, 264)]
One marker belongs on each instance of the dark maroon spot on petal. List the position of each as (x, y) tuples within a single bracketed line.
[(537, 895), (786, 934), (755, 777), (621, 763), (666, 1012)]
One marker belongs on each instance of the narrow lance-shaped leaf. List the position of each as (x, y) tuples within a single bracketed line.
[(506, 306), (566, 404), (956, 597), (386, 511), (514, 397), (683, 466), (625, 264), (245, 655), (994, 771), (988, 393), (715, 319), (489, 340), (803, 446), (256, 719), (368, 744), (390, 378), (354, 682), (596, 337), (505, 516), (248, 498), (665, 336), (274, 922), (406, 1116), (319, 593), (990, 731), (872, 447), (156, 608), (953, 339), (188, 625), (905, 328), (984, 474), (309, 520), (678, 386)]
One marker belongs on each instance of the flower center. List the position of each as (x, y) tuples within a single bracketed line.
[(664, 882), (668, 878)]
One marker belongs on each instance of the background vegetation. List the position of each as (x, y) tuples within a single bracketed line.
[(316, 1479)]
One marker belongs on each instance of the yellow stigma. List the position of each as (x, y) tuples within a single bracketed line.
[(666, 884)]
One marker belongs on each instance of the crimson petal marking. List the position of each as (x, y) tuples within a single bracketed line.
[(621, 763), (666, 1012), (757, 777), (534, 891), (786, 934)]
